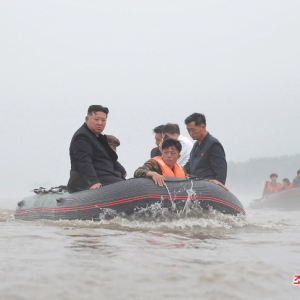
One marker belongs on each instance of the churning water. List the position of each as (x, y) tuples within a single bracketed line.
[(152, 255)]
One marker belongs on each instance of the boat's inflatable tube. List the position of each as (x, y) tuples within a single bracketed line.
[(125, 197), (286, 200)]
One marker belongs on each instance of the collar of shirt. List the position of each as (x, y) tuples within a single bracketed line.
[(204, 141)]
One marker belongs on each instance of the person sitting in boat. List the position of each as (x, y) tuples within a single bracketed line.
[(271, 187), (207, 158), (173, 132), (158, 138), (286, 185), (93, 162), (296, 181), (165, 165), (113, 142)]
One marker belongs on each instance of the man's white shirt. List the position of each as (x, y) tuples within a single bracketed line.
[(187, 146)]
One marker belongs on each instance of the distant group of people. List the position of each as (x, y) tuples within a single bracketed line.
[(94, 161), (272, 187)]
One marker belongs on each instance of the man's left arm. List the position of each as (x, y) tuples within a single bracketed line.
[(121, 169), (218, 162)]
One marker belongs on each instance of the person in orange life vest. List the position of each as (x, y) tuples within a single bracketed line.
[(160, 166), (286, 185), (272, 186)]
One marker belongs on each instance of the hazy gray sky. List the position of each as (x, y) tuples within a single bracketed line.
[(149, 62)]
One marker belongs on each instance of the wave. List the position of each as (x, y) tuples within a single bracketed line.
[(191, 219), (155, 217), (6, 215)]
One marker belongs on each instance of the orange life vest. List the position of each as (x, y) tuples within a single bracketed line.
[(272, 189), (166, 171)]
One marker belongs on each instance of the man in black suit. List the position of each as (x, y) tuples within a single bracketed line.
[(93, 162), (296, 181), (158, 139), (207, 158)]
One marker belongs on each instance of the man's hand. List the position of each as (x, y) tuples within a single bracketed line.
[(95, 186), (157, 178), (125, 175), (219, 183)]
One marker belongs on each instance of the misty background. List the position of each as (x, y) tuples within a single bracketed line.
[(149, 62)]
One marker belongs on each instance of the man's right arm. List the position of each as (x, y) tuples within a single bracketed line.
[(149, 166), (83, 154), (151, 169)]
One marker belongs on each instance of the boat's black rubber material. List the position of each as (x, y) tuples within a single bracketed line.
[(125, 197), (286, 200)]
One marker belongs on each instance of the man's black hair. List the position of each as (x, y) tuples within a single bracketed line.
[(286, 180), (158, 129), (94, 108), (199, 119), (273, 174), (298, 172), (171, 142), (171, 128)]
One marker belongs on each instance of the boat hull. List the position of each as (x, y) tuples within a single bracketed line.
[(126, 197), (285, 200)]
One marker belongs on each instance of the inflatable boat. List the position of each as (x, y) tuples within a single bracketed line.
[(125, 197), (286, 200)]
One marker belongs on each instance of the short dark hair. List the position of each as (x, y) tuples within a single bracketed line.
[(199, 119), (298, 172), (94, 108), (273, 174), (171, 142), (286, 180), (171, 128), (158, 129)]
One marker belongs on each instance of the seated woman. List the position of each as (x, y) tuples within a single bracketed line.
[(165, 165)]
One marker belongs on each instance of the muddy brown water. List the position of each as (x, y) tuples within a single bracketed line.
[(208, 256)]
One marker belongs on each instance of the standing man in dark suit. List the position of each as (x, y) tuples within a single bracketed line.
[(207, 158), (93, 162), (296, 181), (158, 139)]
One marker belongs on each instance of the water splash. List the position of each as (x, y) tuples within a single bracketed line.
[(6, 215), (157, 218), (188, 202)]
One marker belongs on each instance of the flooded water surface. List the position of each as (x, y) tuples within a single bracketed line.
[(209, 256)]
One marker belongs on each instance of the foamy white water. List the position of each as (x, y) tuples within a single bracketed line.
[(208, 256)]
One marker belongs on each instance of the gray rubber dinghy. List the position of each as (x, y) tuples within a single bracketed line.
[(126, 197), (285, 200)]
